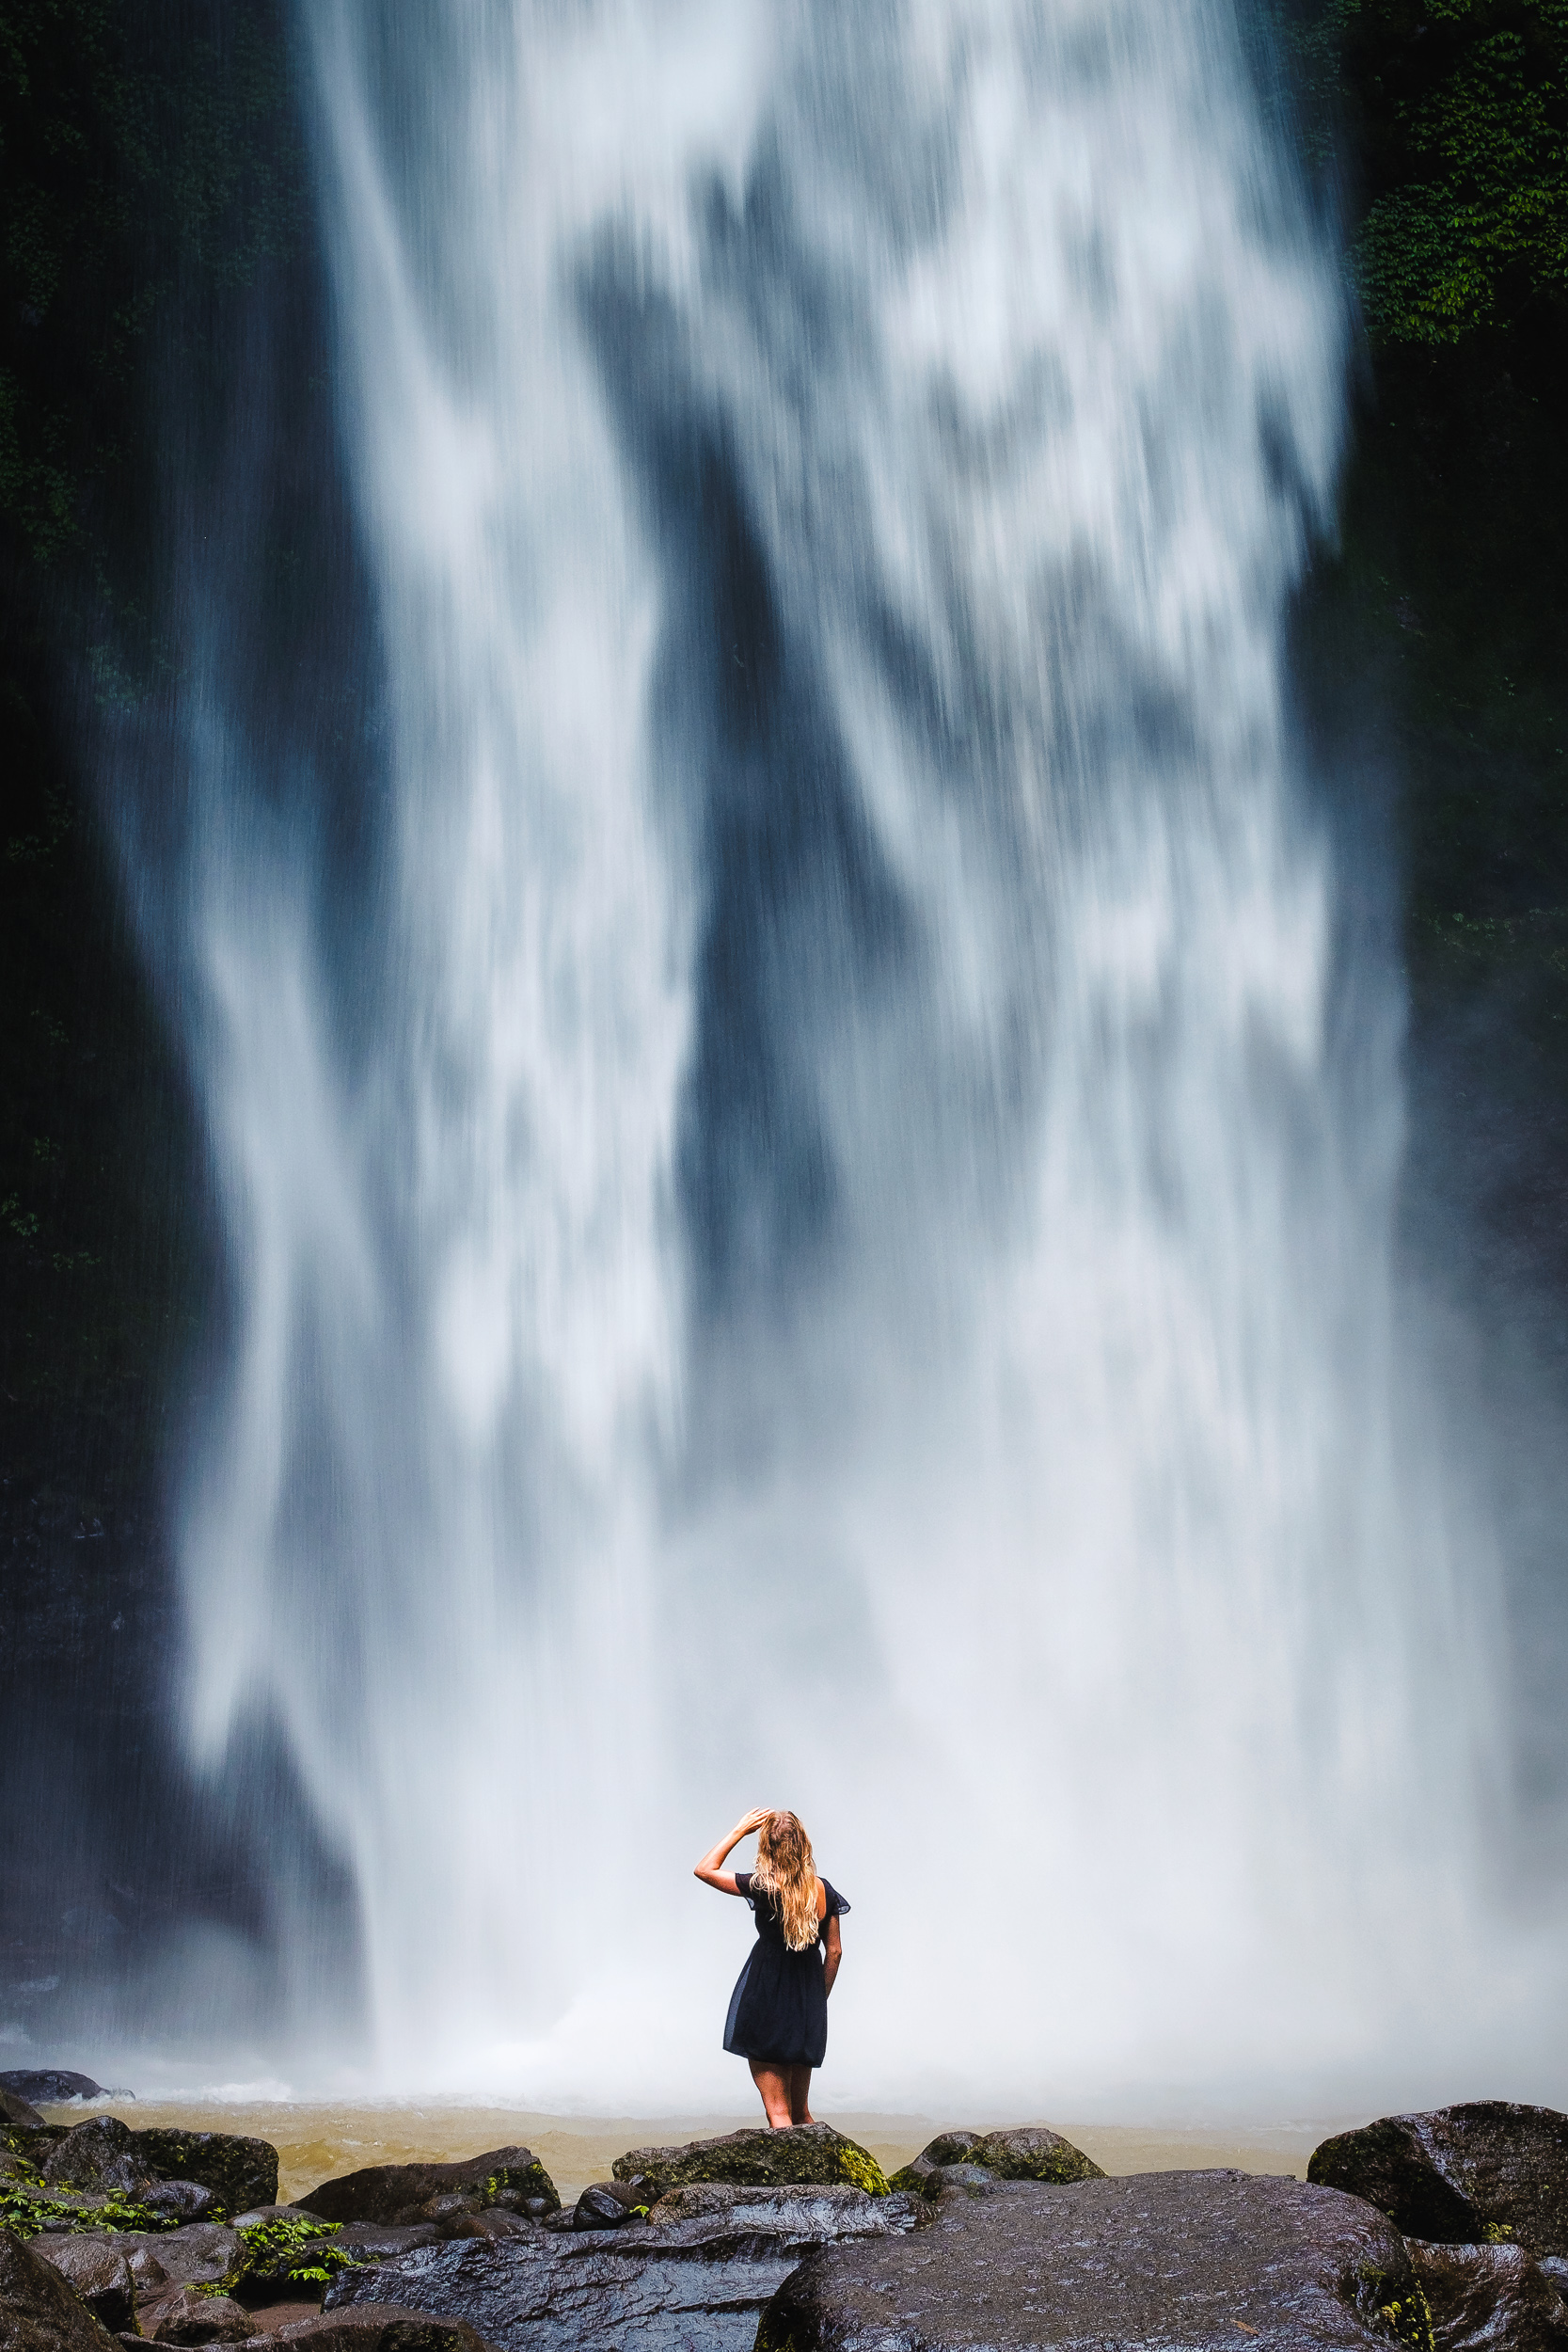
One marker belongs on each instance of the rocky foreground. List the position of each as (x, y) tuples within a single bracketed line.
[(1443, 2233)]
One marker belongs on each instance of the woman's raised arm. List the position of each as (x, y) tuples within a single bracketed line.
[(710, 1869)]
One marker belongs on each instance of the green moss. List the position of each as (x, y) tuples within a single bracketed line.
[(859, 2167), (1400, 2307), (1498, 2232), (909, 2180)]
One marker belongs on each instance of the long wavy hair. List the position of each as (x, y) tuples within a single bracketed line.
[(786, 1873)]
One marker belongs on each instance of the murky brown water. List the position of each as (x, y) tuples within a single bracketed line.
[(317, 2140)]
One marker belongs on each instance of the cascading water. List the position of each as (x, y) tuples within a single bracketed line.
[(850, 1261)]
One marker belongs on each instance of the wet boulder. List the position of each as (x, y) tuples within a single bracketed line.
[(508, 2179), (96, 2269), (697, 2270), (947, 2147), (809, 2153), (1480, 2297), (1031, 2152), (238, 2171), (46, 2085), (98, 2156), (1196, 2260), (203, 2254), (184, 2315), (1487, 2172), (15, 2109), (39, 2311), (606, 2204), (378, 2328), (970, 2160)]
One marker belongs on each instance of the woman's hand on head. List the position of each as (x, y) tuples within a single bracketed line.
[(754, 1820)]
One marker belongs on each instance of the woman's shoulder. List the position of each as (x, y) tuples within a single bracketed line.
[(835, 1904)]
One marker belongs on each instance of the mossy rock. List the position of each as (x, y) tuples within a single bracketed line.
[(240, 2172), (947, 2147), (807, 2154), (396, 2195), (31, 2142), (1027, 2152), (1033, 2154), (1487, 2172)]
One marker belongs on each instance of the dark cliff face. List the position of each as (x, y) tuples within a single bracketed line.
[(160, 311)]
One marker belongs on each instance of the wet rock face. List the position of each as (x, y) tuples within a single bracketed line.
[(183, 2173), (1195, 2260), (15, 2109), (377, 2328), (98, 2272), (1485, 2296), (505, 2179), (39, 2311), (809, 2152), (98, 2156), (238, 2171), (181, 2315), (1465, 2175), (699, 2271), (971, 2159)]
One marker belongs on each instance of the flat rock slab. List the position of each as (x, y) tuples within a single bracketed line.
[(1190, 2262), (1488, 2168), (695, 2274)]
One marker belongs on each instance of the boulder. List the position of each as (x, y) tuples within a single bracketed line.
[(697, 2271), (201, 2255), (1195, 2260), (810, 2154), (947, 2147), (45, 2086), (98, 2156), (1488, 2171), (378, 2328), (239, 2172), (606, 2204), (15, 2109), (511, 2178), (1023, 2152), (1479, 2296), (96, 2270), (1031, 2152), (184, 2315), (39, 2311)]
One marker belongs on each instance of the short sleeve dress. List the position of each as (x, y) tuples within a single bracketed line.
[(778, 2008)]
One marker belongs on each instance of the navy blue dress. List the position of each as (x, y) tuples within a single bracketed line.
[(779, 2008)]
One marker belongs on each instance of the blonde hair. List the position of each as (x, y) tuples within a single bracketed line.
[(787, 1874)]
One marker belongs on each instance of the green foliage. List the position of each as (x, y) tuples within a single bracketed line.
[(280, 2249), (29, 2210), (1458, 113)]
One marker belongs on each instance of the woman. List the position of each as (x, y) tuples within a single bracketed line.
[(778, 2016)]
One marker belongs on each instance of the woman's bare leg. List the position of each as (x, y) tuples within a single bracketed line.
[(774, 2082), (800, 2095)]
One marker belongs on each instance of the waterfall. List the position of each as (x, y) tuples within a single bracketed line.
[(837, 1246)]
